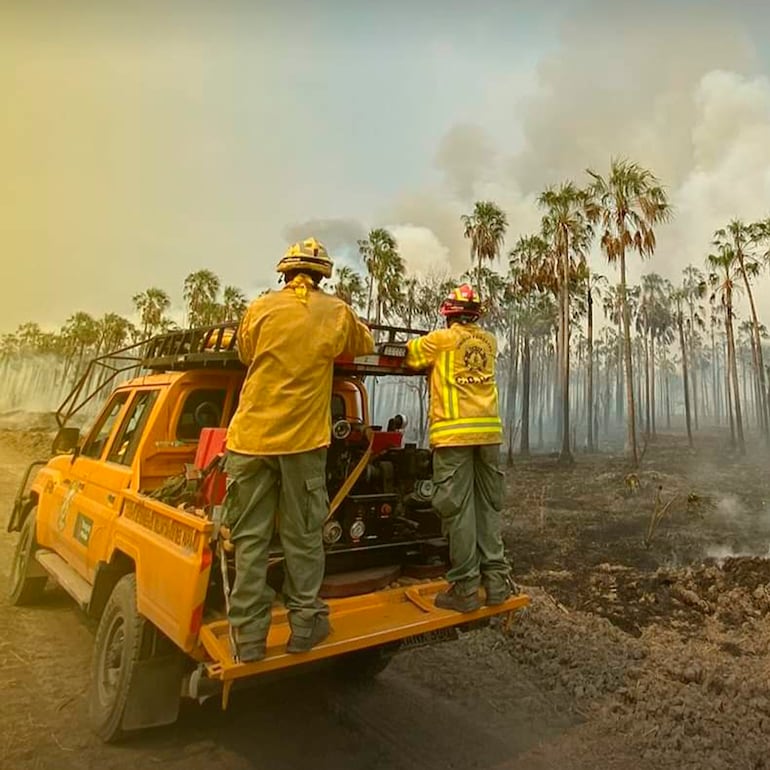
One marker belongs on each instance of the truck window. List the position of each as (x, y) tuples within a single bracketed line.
[(201, 409), (94, 444), (126, 442)]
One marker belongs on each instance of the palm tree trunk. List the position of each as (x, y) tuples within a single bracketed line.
[(513, 378), (619, 374), (694, 367), (728, 391), (685, 380), (631, 416), (757, 358), (647, 420), (734, 375), (747, 405), (652, 382), (590, 394), (525, 382), (566, 454)]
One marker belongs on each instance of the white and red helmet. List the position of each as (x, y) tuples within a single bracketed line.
[(461, 302)]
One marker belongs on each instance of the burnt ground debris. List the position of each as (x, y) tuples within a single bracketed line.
[(637, 651)]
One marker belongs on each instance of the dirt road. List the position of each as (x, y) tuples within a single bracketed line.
[(620, 663)]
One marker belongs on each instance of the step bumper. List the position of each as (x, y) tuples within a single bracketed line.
[(359, 622)]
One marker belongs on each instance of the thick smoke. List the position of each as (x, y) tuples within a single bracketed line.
[(677, 93)]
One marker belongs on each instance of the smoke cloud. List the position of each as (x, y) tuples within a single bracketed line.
[(681, 95)]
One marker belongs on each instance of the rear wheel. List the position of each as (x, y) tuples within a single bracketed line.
[(116, 652), (23, 588)]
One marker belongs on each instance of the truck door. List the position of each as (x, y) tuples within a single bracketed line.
[(62, 515), (98, 500)]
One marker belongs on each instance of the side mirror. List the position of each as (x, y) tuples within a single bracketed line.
[(66, 440)]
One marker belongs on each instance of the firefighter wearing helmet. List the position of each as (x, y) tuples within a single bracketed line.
[(465, 435), (276, 447)]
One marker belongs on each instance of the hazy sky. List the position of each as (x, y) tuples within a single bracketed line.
[(142, 141)]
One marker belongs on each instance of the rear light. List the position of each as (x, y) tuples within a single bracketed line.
[(207, 557)]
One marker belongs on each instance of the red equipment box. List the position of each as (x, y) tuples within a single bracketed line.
[(211, 445)]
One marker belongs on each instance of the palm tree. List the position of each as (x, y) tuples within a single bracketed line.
[(526, 260), (114, 332), (724, 265), (628, 205), (200, 295), (349, 286), (743, 240), (9, 346), (379, 252), (653, 321), (234, 303), (567, 228), (485, 228), (694, 287), (151, 304), (678, 298), (82, 332)]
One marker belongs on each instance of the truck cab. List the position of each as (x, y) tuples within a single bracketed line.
[(126, 519)]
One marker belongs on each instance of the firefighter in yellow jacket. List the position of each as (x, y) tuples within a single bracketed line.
[(276, 447), (465, 434)]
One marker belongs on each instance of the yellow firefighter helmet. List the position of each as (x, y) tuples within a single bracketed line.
[(310, 255)]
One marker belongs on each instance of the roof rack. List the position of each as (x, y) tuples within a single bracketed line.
[(208, 347), (214, 347)]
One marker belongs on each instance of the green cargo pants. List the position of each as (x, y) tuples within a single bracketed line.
[(259, 487), (468, 495)]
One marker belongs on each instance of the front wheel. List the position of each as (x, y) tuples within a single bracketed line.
[(24, 586)]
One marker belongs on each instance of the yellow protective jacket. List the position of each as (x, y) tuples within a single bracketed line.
[(289, 340), (463, 393)]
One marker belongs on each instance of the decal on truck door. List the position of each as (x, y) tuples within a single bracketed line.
[(82, 530)]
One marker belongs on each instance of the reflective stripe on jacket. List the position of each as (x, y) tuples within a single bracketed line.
[(463, 393), (289, 340)]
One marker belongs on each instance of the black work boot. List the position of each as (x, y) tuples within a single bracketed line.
[(321, 629), (454, 599), (499, 590)]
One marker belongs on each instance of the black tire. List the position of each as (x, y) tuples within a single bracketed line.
[(22, 588), (117, 648), (364, 665)]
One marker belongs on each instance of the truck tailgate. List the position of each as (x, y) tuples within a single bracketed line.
[(357, 622)]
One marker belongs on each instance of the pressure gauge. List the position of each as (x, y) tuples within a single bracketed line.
[(357, 529)]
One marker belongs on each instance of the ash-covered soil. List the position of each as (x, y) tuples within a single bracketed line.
[(646, 645)]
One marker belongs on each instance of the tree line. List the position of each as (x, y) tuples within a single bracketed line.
[(663, 344)]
